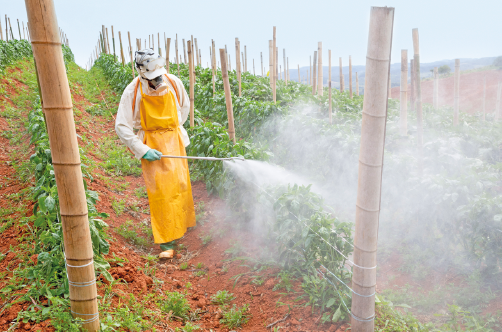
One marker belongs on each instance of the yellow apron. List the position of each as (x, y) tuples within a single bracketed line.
[(167, 180)]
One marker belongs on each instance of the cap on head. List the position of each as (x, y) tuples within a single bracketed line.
[(149, 64)]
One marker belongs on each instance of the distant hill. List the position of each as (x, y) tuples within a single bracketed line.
[(395, 71)]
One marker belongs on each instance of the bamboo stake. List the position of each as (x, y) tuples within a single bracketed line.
[(228, 95), (412, 86), (320, 82), (113, 42), (108, 42), (229, 63), (277, 67), (280, 72), (341, 76), (274, 61), (178, 58), (130, 53), (103, 41), (213, 64), (271, 64), (1, 30), (329, 87), (47, 52), (370, 168), (168, 48), (418, 88), (314, 74), (19, 29), (284, 62), (11, 33), (261, 58), (403, 98), (6, 29), (197, 52), (192, 81), (435, 94), (245, 59), (238, 63), (24, 31), (121, 49), (242, 61), (357, 84), (184, 51), (456, 92)]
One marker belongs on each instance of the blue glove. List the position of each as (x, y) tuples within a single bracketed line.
[(152, 155)]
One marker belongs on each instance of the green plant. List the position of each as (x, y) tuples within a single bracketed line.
[(235, 317), (206, 239), (130, 231), (285, 281), (183, 266), (189, 327), (140, 192), (118, 205), (176, 303), (222, 297), (199, 273), (199, 265)]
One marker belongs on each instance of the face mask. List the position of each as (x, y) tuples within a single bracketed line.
[(158, 84)]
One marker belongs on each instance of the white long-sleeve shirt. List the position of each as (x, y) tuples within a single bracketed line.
[(126, 121)]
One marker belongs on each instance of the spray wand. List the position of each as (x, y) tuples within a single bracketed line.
[(203, 158)]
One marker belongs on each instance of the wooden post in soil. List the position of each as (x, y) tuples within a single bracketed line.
[(403, 98), (213, 65), (261, 58), (191, 78), (483, 116), (271, 64), (238, 63), (184, 51), (350, 76), (6, 29), (329, 87), (130, 53), (319, 75), (456, 92), (168, 48), (274, 61), (228, 95), (113, 42), (314, 74), (284, 63), (341, 75), (197, 52), (108, 42), (57, 108), (177, 58), (370, 169), (357, 84), (19, 29), (121, 49), (412, 86), (11, 33), (418, 88), (435, 93)]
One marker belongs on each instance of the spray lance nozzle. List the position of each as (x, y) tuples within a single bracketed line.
[(205, 158)]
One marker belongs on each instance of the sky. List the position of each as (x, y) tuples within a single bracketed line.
[(448, 28)]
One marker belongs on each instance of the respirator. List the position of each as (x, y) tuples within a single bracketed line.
[(158, 83), (150, 66)]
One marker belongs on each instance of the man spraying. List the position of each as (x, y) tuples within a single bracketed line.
[(157, 104)]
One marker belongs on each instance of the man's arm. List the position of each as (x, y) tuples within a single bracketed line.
[(125, 120)]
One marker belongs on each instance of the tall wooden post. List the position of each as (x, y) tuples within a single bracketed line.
[(177, 55), (320, 82), (197, 52), (113, 42), (19, 29), (456, 91), (341, 75), (121, 49), (370, 169), (213, 64), (238, 63), (403, 98), (271, 64), (412, 86), (284, 62), (350, 76), (130, 53), (191, 78), (168, 48), (58, 110), (108, 42), (274, 72), (435, 93), (184, 51), (357, 84), (329, 87), (314, 74), (228, 95), (6, 29), (418, 88), (261, 58)]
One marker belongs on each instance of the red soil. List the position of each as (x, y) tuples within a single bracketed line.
[(471, 91), (265, 303)]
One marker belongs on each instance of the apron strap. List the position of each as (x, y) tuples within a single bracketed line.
[(175, 89)]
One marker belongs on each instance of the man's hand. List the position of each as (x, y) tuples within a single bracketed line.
[(152, 155)]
